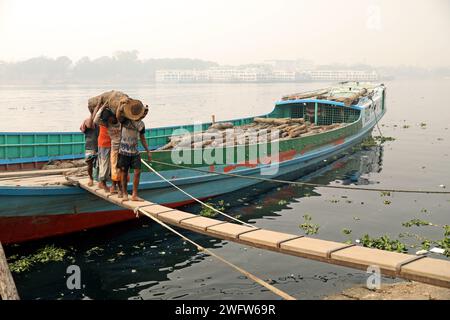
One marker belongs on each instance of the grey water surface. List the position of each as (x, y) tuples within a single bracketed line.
[(140, 260)]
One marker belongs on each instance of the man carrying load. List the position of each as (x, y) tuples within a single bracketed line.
[(133, 129)]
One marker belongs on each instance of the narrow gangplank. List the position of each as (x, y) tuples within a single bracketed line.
[(411, 267)]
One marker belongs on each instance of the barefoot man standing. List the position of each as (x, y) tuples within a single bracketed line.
[(90, 131), (129, 157)]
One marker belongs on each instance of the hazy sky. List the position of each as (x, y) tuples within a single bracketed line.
[(377, 32)]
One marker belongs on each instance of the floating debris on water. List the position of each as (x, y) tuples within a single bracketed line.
[(47, 254), (416, 222), (383, 243), (309, 227), (437, 250)]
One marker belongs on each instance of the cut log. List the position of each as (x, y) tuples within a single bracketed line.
[(297, 133), (222, 126)]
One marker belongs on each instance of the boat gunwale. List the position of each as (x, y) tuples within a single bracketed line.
[(37, 190)]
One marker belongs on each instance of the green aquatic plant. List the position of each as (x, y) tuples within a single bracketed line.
[(385, 194), (308, 227), (210, 213), (383, 243), (416, 222), (282, 202), (387, 202), (445, 242), (47, 254), (347, 232), (426, 244), (383, 139), (368, 143)]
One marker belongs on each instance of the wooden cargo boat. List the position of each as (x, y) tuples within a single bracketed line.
[(37, 206)]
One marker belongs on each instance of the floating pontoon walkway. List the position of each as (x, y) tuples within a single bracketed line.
[(411, 267)]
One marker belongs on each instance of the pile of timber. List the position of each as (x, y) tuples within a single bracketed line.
[(260, 130), (348, 98), (306, 95), (353, 98)]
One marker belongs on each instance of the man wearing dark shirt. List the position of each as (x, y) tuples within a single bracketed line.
[(90, 131)]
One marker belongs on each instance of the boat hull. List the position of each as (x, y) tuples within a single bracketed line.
[(42, 216)]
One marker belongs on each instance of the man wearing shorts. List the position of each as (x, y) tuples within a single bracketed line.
[(129, 157), (90, 131)]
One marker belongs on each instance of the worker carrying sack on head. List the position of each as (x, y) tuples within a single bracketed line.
[(130, 114)]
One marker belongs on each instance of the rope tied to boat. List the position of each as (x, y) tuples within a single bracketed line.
[(298, 183), (194, 198), (248, 274)]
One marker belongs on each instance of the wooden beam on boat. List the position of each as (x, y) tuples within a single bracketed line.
[(8, 290), (418, 268), (13, 174)]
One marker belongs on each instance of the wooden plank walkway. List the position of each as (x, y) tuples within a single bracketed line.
[(411, 267)]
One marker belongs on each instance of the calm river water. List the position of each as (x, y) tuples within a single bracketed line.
[(140, 260)]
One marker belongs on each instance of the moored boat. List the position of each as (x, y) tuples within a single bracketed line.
[(34, 207)]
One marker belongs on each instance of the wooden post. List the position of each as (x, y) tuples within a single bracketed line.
[(213, 118), (316, 109), (8, 290)]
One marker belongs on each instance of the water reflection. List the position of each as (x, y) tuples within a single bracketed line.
[(139, 259), (350, 169)]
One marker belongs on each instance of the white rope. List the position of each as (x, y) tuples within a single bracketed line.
[(194, 198), (263, 283)]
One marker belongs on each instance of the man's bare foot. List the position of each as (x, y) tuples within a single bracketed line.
[(125, 197), (120, 195), (90, 183), (136, 198), (102, 185), (112, 190)]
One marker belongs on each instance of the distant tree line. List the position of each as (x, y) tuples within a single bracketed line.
[(125, 66), (122, 66)]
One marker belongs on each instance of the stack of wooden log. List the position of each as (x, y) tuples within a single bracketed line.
[(260, 130), (348, 98)]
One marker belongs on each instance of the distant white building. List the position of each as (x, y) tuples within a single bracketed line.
[(225, 74), (261, 74), (341, 75), (298, 65), (283, 76), (182, 76)]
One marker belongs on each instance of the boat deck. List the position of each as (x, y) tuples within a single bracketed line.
[(411, 267), (34, 181), (37, 178)]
